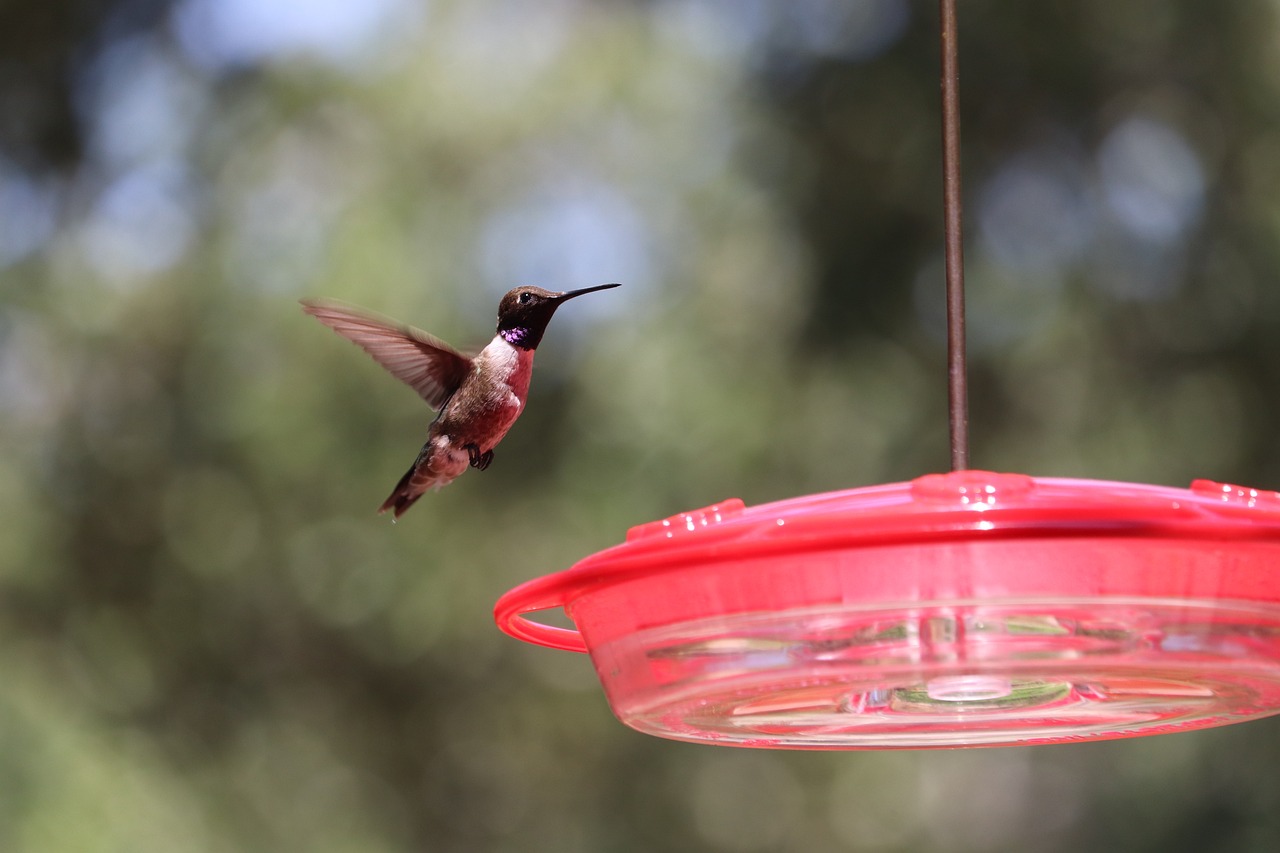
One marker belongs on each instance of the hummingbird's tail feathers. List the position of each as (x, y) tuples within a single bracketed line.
[(438, 464), (399, 502), (403, 495)]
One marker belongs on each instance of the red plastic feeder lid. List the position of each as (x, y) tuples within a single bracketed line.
[(959, 609)]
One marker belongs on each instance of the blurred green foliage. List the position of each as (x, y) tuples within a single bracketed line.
[(211, 643)]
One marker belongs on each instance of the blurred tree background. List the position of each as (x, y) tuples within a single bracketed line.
[(212, 643)]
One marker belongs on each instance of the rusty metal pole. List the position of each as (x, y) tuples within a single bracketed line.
[(958, 396)]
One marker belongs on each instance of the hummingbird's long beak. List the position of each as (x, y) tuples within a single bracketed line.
[(572, 293)]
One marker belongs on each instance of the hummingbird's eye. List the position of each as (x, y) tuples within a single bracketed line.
[(525, 298)]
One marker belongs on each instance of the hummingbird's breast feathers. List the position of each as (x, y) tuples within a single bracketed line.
[(422, 361), (503, 372), (490, 400)]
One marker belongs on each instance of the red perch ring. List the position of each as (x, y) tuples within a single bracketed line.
[(959, 609)]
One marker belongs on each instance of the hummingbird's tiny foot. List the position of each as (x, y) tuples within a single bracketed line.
[(479, 460)]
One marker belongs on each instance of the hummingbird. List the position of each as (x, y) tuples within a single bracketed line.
[(477, 397)]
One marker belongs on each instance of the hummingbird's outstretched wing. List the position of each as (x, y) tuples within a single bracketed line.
[(425, 363)]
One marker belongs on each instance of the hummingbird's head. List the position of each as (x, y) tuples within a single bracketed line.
[(523, 314)]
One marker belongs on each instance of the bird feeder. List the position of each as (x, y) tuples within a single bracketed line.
[(967, 608), (961, 609)]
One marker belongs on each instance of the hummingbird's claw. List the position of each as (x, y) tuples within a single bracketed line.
[(479, 461)]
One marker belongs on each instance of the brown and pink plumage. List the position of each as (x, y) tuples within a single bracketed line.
[(478, 397)]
